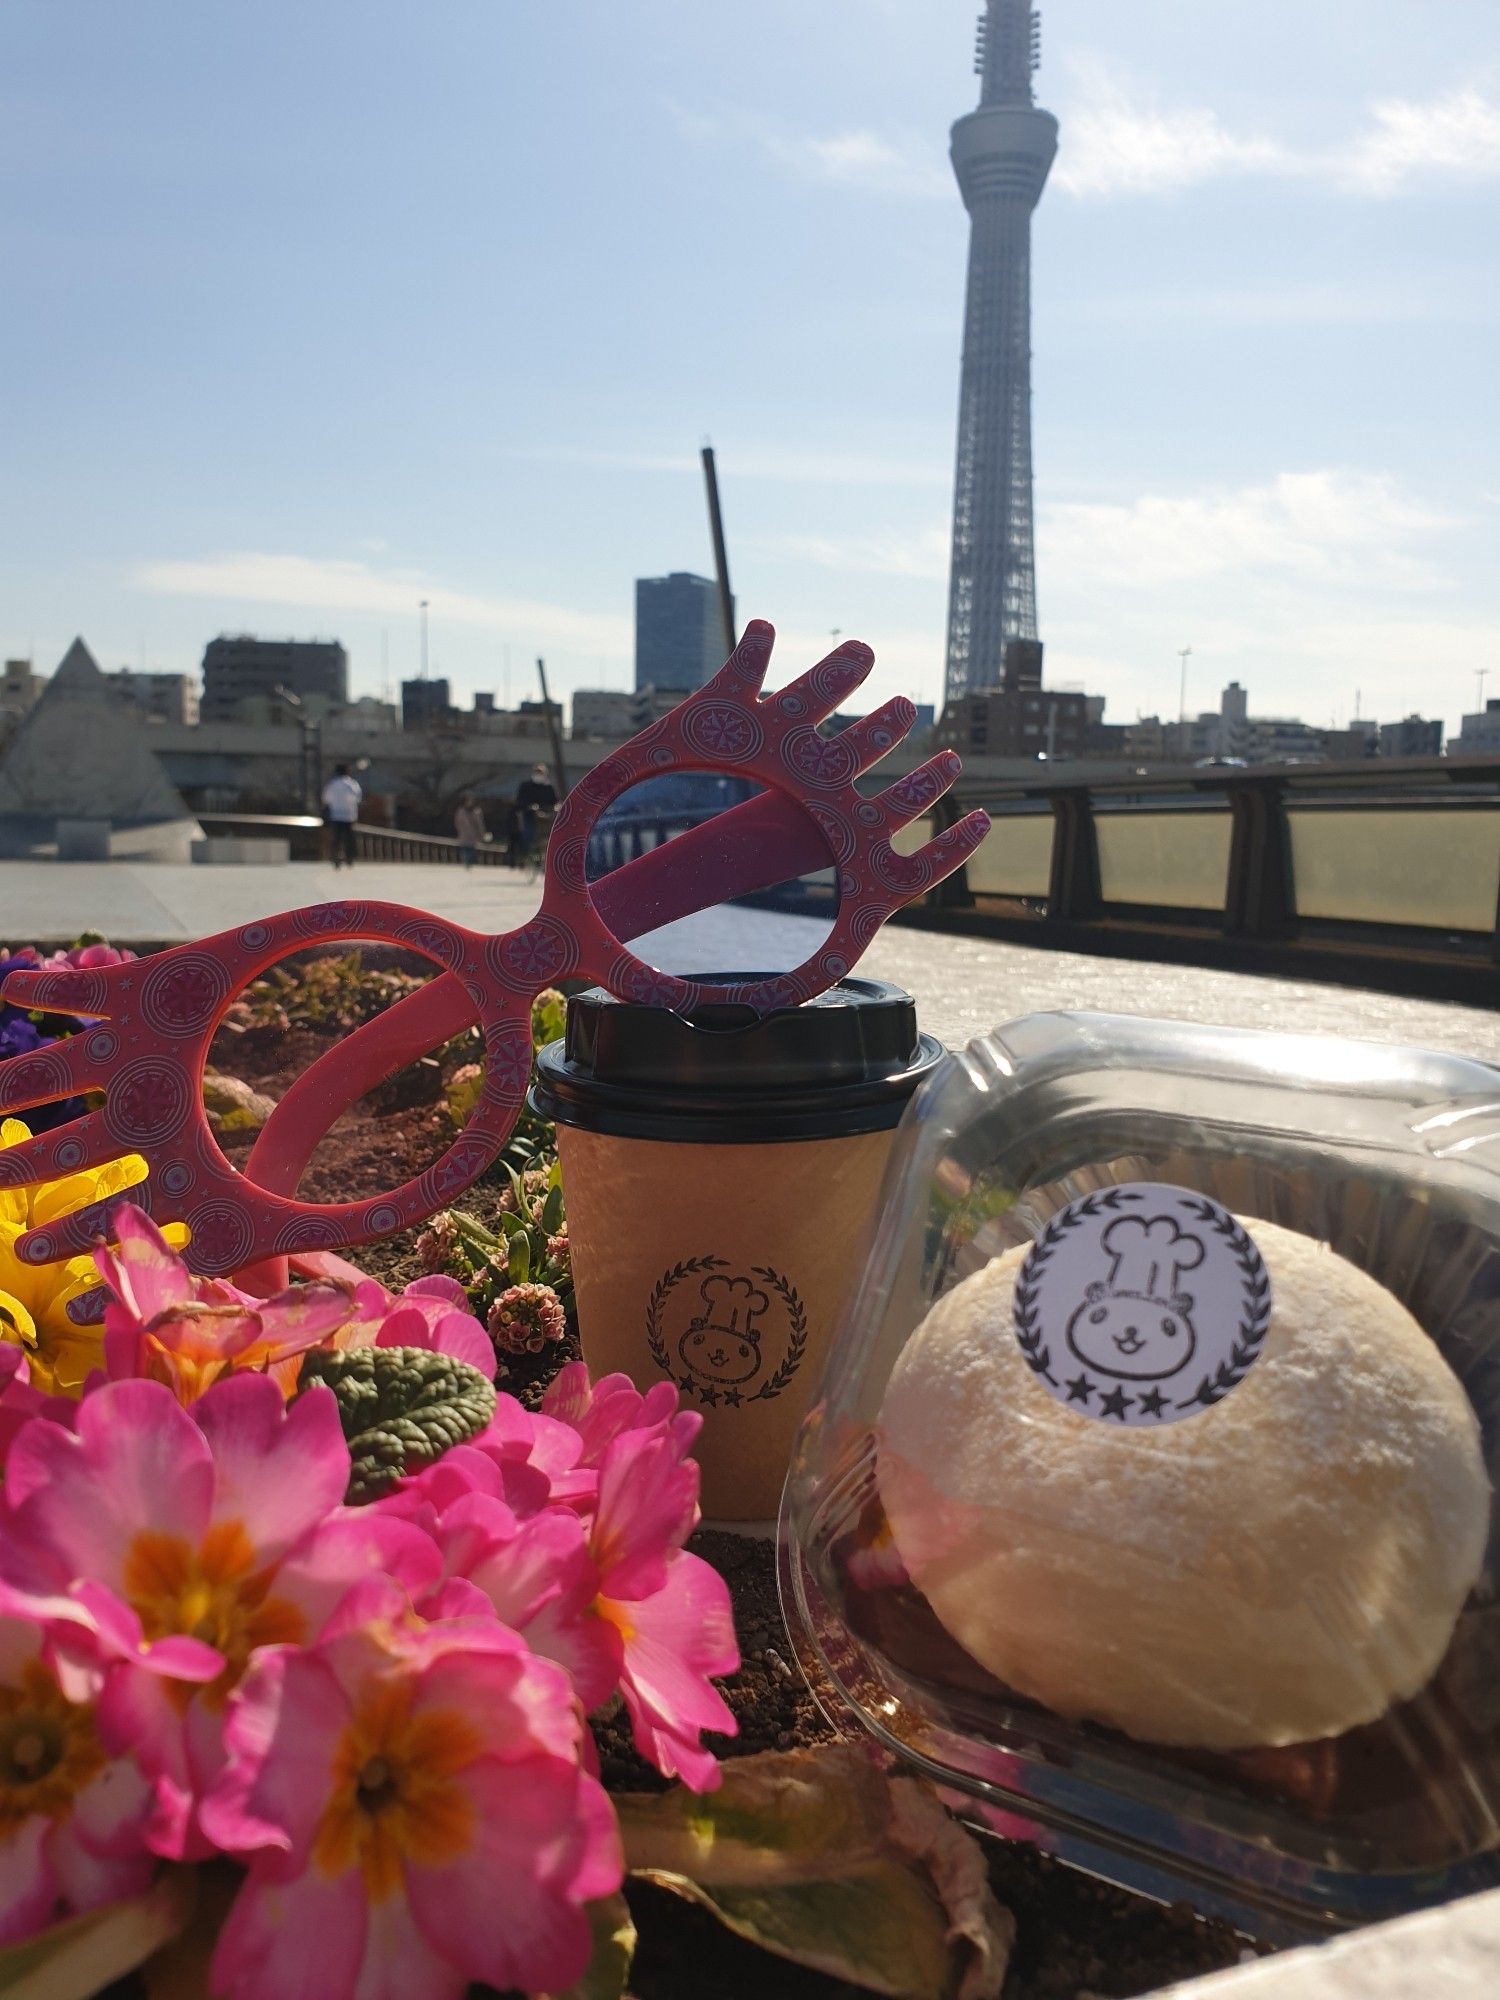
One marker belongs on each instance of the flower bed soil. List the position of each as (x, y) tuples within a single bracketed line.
[(1076, 1937)]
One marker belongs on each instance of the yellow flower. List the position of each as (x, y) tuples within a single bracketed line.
[(34, 1297)]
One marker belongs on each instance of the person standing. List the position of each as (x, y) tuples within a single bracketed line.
[(341, 800), (468, 824), (536, 800)]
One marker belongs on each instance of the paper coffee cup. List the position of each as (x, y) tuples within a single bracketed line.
[(721, 1179)]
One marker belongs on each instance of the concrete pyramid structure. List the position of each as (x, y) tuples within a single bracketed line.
[(81, 757)]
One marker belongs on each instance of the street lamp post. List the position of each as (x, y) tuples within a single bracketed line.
[(312, 749)]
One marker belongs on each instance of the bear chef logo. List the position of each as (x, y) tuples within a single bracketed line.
[(1135, 1323), (1142, 1304), (723, 1335)]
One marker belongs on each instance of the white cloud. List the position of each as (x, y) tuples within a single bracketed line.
[(330, 584), (1457, 135), (923, 554), (863, 159), (1332, 526), (903, 163), (1114, 146), (1305, 587), (1117, 141)]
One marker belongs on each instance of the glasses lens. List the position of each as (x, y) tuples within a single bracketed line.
[(705, 875), (379, 1110)]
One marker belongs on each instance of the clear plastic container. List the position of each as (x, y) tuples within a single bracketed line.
[(1391, 1156)]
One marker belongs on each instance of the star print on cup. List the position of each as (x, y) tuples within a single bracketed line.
[(1141, 1305)]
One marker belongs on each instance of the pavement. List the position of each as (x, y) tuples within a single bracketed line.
[(963, 986)]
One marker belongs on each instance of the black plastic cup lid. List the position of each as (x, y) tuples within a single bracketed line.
[(844, 1063)]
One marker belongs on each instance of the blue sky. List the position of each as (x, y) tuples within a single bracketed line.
[(312, 311)]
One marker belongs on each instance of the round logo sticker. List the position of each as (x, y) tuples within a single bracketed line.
[(1141, 1305)]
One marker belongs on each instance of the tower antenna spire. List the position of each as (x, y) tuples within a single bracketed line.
[(1007, 51), (1002, 154)]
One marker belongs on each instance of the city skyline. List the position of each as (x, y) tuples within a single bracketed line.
[(306, 334)]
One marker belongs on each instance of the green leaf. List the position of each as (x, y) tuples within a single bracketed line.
[(817, 1856), (471, 1230), (614, 1949), (400, 1409), (878, 1929), (552, 1209), (554, 1174), (511, 1226), (75, 1960), (519, 1268), (518, 1189), (549, 1017)]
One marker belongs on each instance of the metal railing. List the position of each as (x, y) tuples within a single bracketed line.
[(1384, 872), (371, 843)]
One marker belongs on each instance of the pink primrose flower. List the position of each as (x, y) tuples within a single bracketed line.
[(565, 1440), (187, 1332), (604, 1588), (71, 1816), (536, 1576), (19, 1401), (87, 956), (431, 1312), (410, 1797), (536, 1457), (165, 1547), (670, 1610), (604, 1410)]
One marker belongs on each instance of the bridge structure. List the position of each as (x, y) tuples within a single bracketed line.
[(1382, 871)]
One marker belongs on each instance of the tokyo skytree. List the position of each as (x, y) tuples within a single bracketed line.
[(1001, 155)]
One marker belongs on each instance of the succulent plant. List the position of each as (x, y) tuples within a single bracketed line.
[(400, 1408), (525, 1319)]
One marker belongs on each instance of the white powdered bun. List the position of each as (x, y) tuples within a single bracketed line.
[(1280, 1567)]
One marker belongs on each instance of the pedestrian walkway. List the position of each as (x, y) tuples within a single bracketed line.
[(963, 985)]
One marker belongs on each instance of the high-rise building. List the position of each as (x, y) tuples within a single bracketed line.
[(1415, 736), (1479, 735), (680, 641), (424, 703), (239, 666), (1234, 721), (1001, 154), (612, 713), (159, 697), (20, 688)]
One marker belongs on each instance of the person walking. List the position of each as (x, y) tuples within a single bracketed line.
[(341, 801), (468, 824)]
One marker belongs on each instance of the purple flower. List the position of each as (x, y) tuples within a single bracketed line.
[(17, 1036), (20, 1036)]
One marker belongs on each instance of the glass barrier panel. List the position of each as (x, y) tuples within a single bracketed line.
[(1435, 866), (1178, 860), (910, 838), (1015, 857)]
